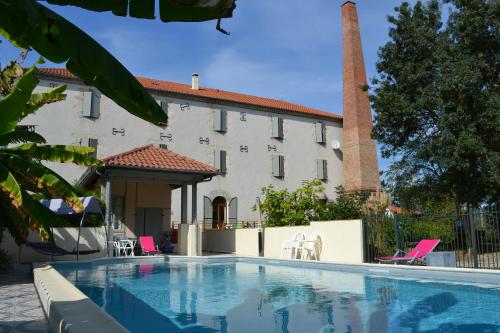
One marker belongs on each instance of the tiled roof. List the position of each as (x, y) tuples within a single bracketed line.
[(184, 89), (151, 157)]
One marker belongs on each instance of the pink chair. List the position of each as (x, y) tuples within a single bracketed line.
[(148, 245), (418, 253)]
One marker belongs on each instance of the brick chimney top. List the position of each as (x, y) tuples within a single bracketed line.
[(348, 3)]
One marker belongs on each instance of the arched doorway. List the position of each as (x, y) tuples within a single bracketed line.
[(219, 213)]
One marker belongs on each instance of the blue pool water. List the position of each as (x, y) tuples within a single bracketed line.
[(239, 296)]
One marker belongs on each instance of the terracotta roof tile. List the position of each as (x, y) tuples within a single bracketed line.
[(151, 157), (216, 94)]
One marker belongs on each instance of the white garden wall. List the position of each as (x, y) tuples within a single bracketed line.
[(342, 241), (243, 242), (90, 239)]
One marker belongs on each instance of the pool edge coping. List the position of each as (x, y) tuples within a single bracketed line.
[(67, 308)]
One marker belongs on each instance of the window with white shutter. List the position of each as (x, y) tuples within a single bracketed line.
[(321, 169), (320, 132), (220, 161), (220, 120), (278, 162), (277, 127)]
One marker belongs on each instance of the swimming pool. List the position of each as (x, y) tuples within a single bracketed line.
[(243, 295)]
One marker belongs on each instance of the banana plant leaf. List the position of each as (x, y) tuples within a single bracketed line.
[(28, 24), (170, 10)]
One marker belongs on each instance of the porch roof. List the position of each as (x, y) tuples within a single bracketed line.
[(150, 163), (151, 157)]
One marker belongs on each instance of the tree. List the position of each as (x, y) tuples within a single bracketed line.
[(28, 24), (346, 206), (437, 100), (22, 173), (299, 207)]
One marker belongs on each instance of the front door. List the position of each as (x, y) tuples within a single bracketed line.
[(219, 213), (149, 222)]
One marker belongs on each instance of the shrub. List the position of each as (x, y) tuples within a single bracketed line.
[(299, 207), (347, 206)]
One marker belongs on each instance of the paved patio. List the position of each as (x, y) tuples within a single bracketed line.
[(20, 308)]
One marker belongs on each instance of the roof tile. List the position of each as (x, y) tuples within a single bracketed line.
[(184, 89), (151, 157)]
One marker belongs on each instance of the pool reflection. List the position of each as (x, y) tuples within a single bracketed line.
[(242, 297)]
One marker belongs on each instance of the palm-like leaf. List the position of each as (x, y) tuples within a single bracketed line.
[(13, 105), (170, 10), (38, 100), (20, 136), (45, 179), (8, 76), (30, 24), (57, 153), (20, 166)]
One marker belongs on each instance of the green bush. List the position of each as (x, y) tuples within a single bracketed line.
[(347, 206), (300, 207)]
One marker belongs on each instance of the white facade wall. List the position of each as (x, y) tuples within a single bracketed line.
[(247, 172)]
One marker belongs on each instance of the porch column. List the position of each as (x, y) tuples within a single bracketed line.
[(194, 218), (184, 204), (194, 203), (107, 218)]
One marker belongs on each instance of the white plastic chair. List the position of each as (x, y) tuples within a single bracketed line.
[(119, 249), (311, 247), (292, 245)]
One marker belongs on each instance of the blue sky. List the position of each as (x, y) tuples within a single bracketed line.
[(284, 49)]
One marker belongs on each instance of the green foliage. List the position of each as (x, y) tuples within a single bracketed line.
[(437, 100), (32, 25), (347, 206), (28, 24), (22, 174), (299, 207), (170, 10)]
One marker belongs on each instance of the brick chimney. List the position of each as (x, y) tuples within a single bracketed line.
[(359, 153)]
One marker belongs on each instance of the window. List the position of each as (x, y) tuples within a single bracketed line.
[(278, 166), (321, 169), (220, 161), (164, 107), (277, 127), (320, 133), (91, 104), (93, 143), (220, 120), (117, 211)]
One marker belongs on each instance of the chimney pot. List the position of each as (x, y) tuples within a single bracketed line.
[(195, 82)]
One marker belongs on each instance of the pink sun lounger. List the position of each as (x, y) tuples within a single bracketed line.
[(418, 253), (148, 245)]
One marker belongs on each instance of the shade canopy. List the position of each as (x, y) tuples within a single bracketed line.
[(59, 207)]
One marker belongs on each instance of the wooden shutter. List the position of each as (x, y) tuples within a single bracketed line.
[(91, 105), (233, 211), (220, 160), (220, 120), (87, 104), (321, 168), (96, 106), (277, 127), (320, 133), (278, 165), (207, 212), (93, 143)]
